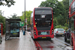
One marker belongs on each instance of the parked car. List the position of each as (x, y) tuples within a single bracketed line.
[(59, 31)]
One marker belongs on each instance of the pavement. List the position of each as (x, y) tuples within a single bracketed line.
[(24, 42)]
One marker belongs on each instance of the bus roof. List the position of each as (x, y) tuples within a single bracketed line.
[(42, 8)]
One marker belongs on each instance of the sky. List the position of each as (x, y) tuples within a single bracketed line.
[(19, 7)]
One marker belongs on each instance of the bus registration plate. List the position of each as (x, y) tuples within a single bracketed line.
[(14, 33), (43, 37)]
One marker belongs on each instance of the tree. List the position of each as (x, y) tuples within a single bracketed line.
[(28, 14), (49, 3), (7, 3), (66, 7), (14, 17), (60, 14)]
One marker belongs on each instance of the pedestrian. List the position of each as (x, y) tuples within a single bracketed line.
[(23, 31)]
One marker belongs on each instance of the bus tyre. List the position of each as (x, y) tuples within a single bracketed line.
[(49, 39), (65, 38)]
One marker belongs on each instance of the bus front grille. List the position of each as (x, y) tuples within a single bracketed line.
[(44, 33)]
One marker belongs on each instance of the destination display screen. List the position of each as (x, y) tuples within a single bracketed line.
[(43, 12)]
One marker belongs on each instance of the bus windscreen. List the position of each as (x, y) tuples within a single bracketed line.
[(43, 22), (43, 19), (43, 11)]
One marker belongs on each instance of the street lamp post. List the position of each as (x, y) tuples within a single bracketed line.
[(25, 12)]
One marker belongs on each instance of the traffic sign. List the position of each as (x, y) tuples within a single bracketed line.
[(21, 23)]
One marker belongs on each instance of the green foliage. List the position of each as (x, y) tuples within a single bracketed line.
[(15, 17), (60, 26), (66, 25), (7, 3), (49, 3), (27, 14)]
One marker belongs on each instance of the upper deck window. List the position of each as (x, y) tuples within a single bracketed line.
[(73, 7)]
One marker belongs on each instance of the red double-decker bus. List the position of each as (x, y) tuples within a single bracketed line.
[(72, 22), (42, 23)]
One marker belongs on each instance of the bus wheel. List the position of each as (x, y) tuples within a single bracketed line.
[(48, 38)]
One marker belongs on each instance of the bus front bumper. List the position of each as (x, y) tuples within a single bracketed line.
[(43, 36)]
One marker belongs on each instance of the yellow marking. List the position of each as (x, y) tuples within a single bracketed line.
[(43, 37), (14, 33), (34, 25)]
